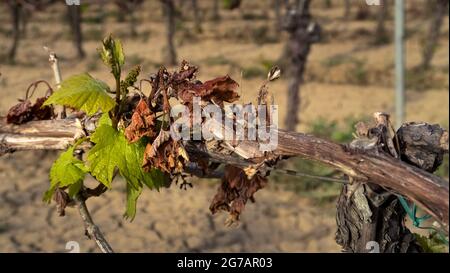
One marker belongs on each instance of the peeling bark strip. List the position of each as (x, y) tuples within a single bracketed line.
[(39, 135), (382, 221), (427, 190)]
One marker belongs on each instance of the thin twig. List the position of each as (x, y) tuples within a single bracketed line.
[(91, 229), (57, 74)]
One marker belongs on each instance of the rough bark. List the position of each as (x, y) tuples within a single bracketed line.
[(357, 231), (363, 12), (216, 10), (277, 9), (39, 135), (74, 16), (197, 18), (440, 9), (91, 228), (380, 32), (169, 13), (303, 32), (16, 9), (128, 8), (371, 218), (347, 8)]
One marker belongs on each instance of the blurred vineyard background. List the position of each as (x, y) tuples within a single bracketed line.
[(349, 74)]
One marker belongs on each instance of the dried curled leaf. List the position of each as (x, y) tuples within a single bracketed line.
[(24, 111), (235, 190), (162, 137), (165, 154), (186, 73), (142, 123), (42, 112), (19, 113), (62, 199), (217, 90)]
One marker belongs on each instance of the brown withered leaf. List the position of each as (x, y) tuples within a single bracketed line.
[(142, 123), (164, 159), (186, 73), (19, 113), (62, 199), (234, 192), (221, 89), (159, 81), (164, 154), (162, 137), (166, 104), (42, 113), (217, 90), (24, 111)]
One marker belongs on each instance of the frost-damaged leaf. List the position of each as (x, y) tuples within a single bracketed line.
[(24, 112), (66, 171), (112, 151), (142, 123), (164, 154), (131, 166), (19, 113), (186, 73), (83, 92), (218, 90), (41, 112), (235, 190), (162, 137)]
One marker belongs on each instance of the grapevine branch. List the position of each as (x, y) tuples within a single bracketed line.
[(427, 190), (91, 229)]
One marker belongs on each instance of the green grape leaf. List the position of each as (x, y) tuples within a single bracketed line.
[(112, 151), (66, 171), (75, 188), (104, 119), (132, 196), (83, 92), (49, 193), (103, 157)]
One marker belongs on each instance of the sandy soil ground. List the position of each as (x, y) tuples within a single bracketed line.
[(172, 220), (176, 220)]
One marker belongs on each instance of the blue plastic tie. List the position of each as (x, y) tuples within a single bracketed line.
[(412, 212), (417, 221)]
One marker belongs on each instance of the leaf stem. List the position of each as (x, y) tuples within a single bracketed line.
[(116, 116)]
